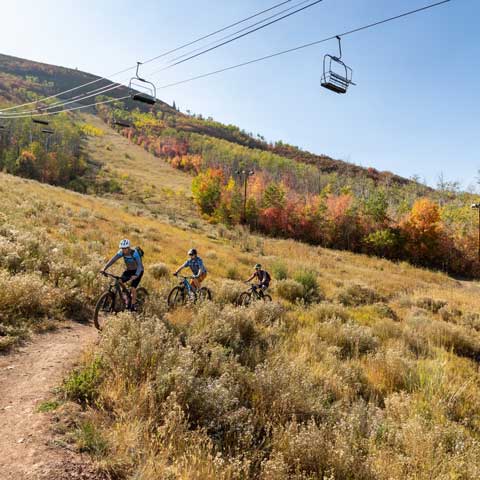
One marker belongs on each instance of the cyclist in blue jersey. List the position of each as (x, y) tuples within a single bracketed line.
[(134, 267), (197, 267)]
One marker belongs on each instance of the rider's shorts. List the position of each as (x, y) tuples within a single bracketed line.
[(263, 286), (201, 278), (128, 274)]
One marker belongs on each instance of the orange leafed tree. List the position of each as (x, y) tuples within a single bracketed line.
[(423, 231)]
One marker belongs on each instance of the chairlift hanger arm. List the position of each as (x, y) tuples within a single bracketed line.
[(339, 46)]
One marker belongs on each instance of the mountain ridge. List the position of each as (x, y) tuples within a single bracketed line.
[(46, 79)]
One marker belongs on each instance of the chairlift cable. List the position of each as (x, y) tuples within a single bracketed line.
[(198, 77), (242, 35), (116, 86), (239, 31), (290, 50), (278, 5), (60, 104)]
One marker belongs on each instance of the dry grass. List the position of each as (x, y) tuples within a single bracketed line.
[(384, 386)]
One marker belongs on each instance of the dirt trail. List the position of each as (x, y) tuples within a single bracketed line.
[(27, 378)]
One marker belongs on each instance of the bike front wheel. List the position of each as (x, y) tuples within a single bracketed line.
[(267, 298), (104, 308), (176, 297), (244, 299)]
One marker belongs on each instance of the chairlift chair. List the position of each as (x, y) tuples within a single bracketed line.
[(39, 121), (337, 76), (149, 96), (120, 122)]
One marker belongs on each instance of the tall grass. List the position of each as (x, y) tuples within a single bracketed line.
[(363, 381)]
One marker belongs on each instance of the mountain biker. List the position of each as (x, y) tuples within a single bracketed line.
[(198, 269), (263, 278), (134, 268)]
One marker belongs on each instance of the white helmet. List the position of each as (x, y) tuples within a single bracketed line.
[(125, 243)]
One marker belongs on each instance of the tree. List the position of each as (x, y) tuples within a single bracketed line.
[(274, 196), (423, 230), (207, 190)]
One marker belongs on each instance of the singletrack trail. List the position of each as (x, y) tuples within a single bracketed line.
[(27, 377)]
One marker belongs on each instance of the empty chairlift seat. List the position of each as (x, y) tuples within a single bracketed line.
[(147, 93), (337, 76), (39, 121)]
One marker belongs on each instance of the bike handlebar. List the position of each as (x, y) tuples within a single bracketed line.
[(183, 276), (106, 274)]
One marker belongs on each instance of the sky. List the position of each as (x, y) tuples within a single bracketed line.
[(414, 111)]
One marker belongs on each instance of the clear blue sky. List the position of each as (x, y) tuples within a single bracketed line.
[(415, 109)]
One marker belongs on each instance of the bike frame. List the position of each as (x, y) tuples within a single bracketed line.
[(118, 287), (185, 282), (256, 291)]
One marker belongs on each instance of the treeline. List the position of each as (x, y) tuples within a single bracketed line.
[(367, 214), (425, 234), (50, 154)]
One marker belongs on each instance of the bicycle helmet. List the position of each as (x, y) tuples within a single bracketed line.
[(192, 251), (125, 243), (258, 266)]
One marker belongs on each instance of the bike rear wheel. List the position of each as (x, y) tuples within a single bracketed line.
[(267, 298), (142, 296), (176, 297), (104, 308), (244, 299), (204, 294)]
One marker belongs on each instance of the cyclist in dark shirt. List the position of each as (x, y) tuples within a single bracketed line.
[(262, 276)]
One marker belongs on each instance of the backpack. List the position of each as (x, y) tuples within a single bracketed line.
[(268, 277), (140, 251)]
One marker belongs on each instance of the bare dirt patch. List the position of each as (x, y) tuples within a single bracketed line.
[(27, 377)]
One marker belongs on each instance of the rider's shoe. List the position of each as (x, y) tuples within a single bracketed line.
[(134, 307)]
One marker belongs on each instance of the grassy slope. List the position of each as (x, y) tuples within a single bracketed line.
[(399, 384)]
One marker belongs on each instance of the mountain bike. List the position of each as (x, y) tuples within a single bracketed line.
[(116, 299), (251, 295), (183, 293)]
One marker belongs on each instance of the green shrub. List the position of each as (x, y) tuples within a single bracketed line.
[(233, 273), (159, 270), (26, 296), (290, 290), (384, 310), (450, 314), (228, 292), (351, 340), (354, 295), (430, 304), (48, 406), (324, 312), (90, 440), (81, 385), (309, 281), (279, 271)]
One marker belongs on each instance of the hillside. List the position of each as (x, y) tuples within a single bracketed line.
[(24, 80), (360, 368)]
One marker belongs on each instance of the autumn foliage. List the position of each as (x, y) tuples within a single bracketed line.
[(297, 199)]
